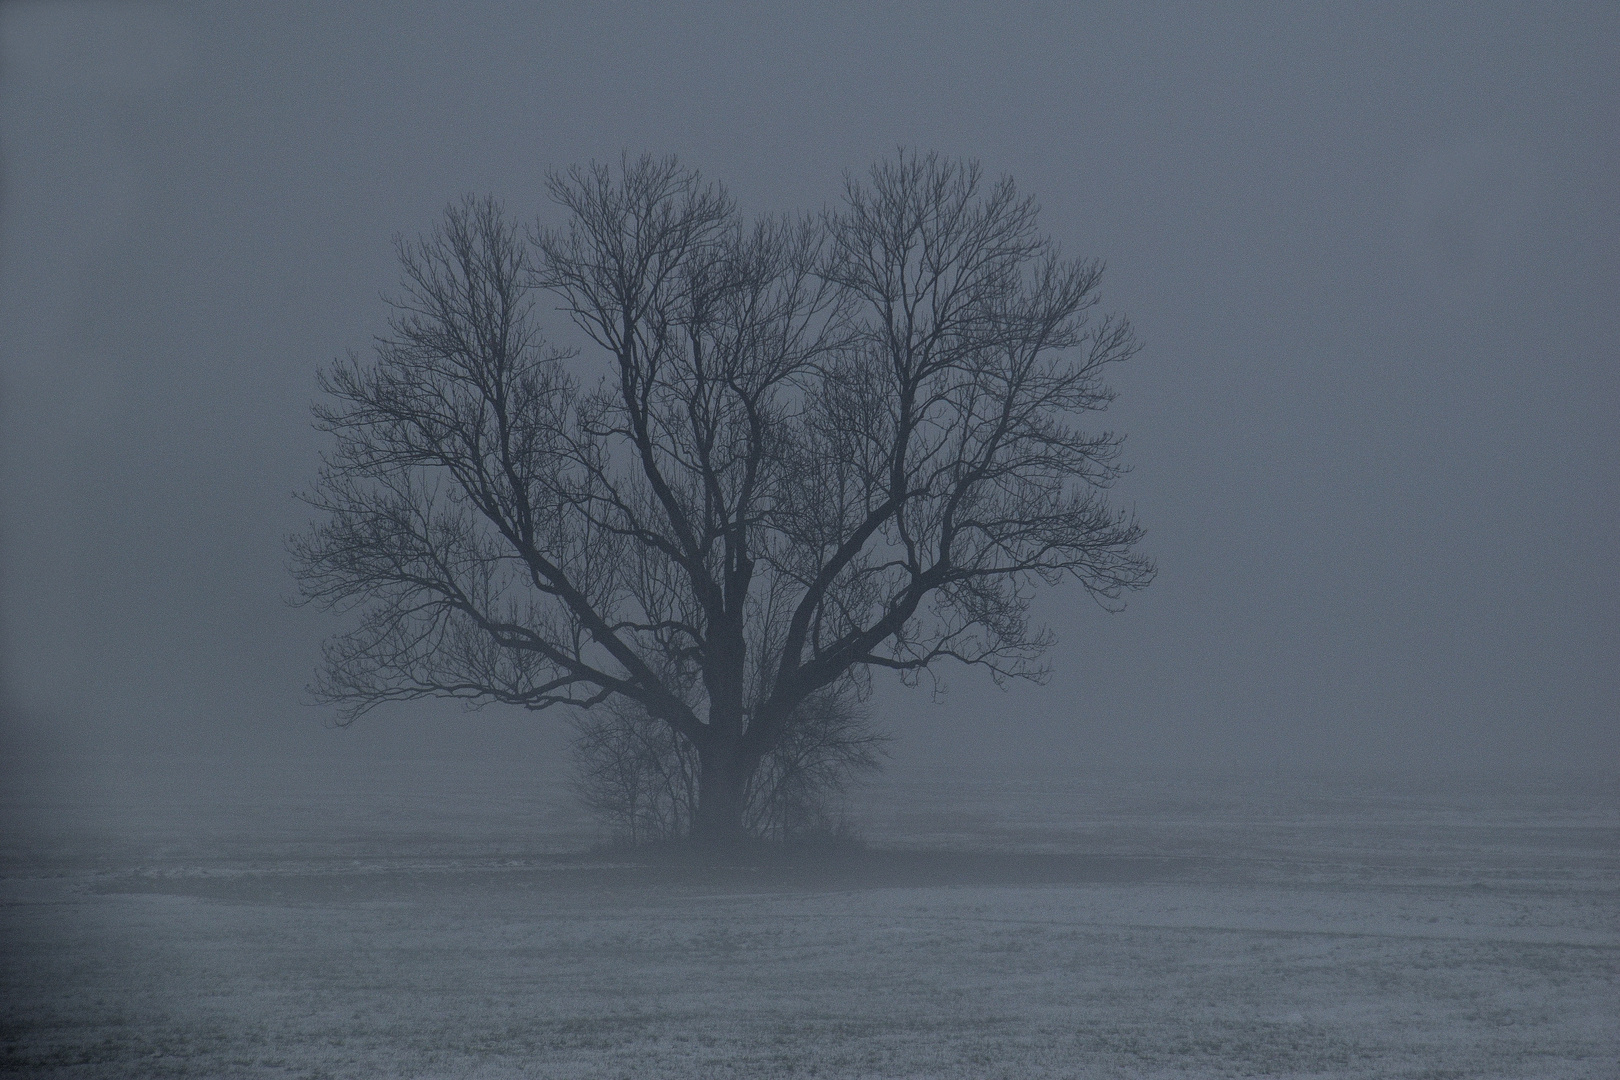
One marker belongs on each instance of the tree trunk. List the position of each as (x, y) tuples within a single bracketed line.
[(723, 777)]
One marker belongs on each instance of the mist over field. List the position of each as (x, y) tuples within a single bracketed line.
[(405, 923), (1334, 796)]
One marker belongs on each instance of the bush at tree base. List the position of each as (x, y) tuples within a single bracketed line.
[(640, 777)]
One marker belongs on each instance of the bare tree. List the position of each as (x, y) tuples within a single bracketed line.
[(825, 446)]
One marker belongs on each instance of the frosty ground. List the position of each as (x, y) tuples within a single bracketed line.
[(413, 926)]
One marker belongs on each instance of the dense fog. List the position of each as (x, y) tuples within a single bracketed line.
[(1371, 256)]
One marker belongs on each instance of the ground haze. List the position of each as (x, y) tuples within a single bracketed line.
[(393, 925)]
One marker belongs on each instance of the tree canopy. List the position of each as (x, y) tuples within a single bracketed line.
[(826, 445)]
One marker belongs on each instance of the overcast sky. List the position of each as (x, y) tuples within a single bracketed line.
[(1372, 255)]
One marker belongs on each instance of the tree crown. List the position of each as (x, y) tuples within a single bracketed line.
[(825, 446)]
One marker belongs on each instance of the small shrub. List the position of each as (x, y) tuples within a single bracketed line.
[(641, 777)]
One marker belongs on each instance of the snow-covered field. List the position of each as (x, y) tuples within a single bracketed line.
[(398, 925)]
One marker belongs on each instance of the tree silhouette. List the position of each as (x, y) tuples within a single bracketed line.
[(824, 446)]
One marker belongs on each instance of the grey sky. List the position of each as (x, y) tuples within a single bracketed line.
[(1372, 253)]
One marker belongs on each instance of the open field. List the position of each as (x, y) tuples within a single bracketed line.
[(1015, 930)]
